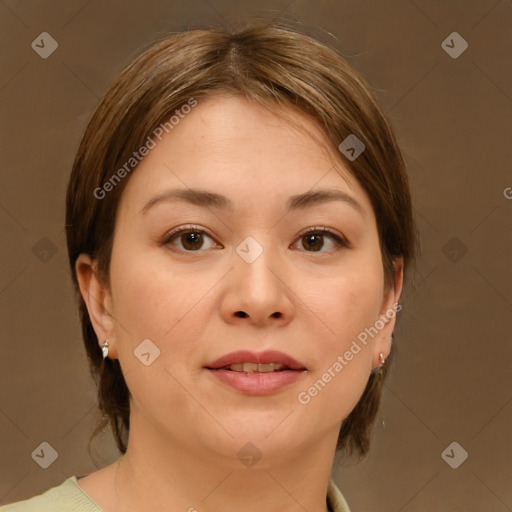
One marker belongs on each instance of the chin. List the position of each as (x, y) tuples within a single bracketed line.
[(258, 440)]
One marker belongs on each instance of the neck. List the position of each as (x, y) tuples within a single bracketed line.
[(162, 474)]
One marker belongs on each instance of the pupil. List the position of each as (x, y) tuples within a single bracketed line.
[(311, 239), (190, 239)]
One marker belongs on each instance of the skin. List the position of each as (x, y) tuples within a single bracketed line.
[(186, 426)]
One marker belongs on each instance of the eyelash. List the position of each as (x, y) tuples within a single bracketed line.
[(340, 242)]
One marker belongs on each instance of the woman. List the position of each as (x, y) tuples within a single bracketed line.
[(239, 226)]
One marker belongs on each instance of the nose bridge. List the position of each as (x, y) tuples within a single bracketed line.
[(255, 261), (257, 289)]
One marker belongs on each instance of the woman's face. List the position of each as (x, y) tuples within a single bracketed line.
[(203, 276)]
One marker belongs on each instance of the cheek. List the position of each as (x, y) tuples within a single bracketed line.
[(152, 303), (347, 305), (345, 301), (344, 361), (332, 395), (153, 299)]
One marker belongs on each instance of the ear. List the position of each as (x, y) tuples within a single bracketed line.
[(98, 300), (389, 309)]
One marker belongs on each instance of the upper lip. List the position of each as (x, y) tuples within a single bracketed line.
[(246, 356)]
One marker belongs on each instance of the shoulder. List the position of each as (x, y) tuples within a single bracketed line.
[(66, 497), (335, 499)]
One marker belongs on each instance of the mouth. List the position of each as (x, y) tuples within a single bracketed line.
[(253, 362), (254, 368), (257, 374)]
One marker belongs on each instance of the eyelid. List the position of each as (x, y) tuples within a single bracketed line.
[(189, 227), (186, 228), (339, 239)]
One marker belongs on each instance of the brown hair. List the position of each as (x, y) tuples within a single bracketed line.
[(271, 64)]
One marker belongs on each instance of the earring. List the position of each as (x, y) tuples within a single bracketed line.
[(104, 349), (381, 357)]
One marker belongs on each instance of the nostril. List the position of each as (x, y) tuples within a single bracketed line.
[(277, 314), (241, 314)]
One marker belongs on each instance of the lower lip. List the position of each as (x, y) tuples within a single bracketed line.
[(258, 384)]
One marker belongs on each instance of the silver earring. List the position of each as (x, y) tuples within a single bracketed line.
[(104, 349)]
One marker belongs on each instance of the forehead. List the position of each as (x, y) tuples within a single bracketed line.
[(240, 149)]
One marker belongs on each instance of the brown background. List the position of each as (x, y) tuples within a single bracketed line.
[(452, 379)]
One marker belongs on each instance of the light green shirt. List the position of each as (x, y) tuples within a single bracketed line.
[(70, 497)]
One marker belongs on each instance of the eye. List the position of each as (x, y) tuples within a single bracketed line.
[(313, 240), (191, 238)]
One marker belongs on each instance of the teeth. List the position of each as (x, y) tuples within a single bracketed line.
[(253, 367)]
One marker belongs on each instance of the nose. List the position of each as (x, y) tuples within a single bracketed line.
[(258, 293)]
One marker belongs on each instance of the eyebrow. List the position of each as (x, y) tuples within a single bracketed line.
[(212, 200)]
